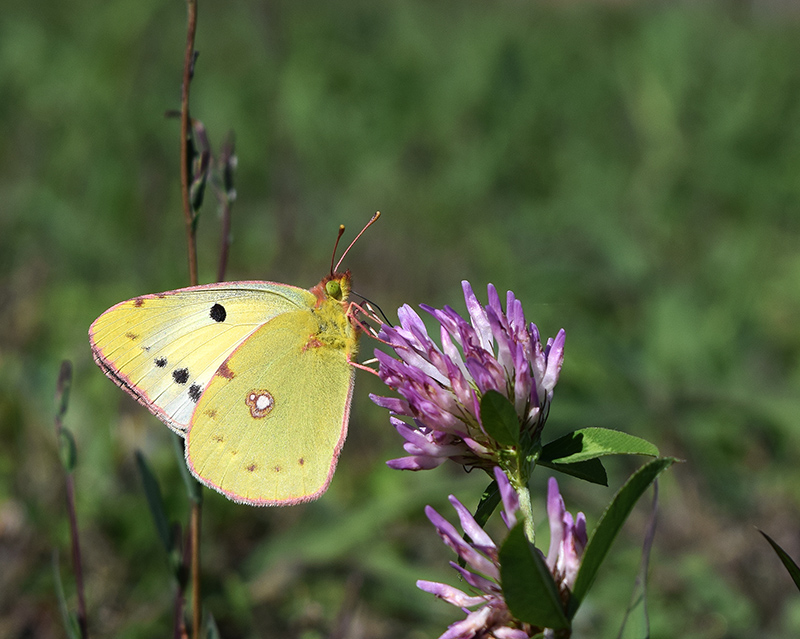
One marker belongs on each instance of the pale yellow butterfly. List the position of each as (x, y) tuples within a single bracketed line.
[(256, 376)]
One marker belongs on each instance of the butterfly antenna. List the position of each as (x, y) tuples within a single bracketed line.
[(341, 230), (335, 246)]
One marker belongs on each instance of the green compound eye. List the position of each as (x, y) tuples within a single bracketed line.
[(334, 289)]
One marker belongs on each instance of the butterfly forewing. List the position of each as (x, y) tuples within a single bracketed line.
[(164, 349)]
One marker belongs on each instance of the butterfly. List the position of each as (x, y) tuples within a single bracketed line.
[(256, 376)]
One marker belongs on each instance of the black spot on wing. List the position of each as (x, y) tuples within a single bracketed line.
[(180, 375), (161, 362), (194, 392), (218, 313)]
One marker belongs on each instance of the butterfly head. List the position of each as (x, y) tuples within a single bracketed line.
[(334, 287)]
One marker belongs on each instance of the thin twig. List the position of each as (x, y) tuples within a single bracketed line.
[(189, 216), (225, 195), (188, 71), (194, 531), (178, 626), (217, 173), (182, 544), (225, 241), (83, 622), (65, 440)]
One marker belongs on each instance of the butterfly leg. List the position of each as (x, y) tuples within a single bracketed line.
[(353, 309), (362, 366)]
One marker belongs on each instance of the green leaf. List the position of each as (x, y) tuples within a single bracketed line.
[(212, 632), (67, 618), (788, 562), (591, 470), (499, 418), (487, 504), (67, 449), (154, 500), (589, 443), (528, 586), (194, 490), (609, 525)]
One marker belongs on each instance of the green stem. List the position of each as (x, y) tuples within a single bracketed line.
[(526, 508), (518, 475)]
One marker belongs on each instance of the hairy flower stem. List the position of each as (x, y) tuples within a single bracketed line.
[(527, 512), (518, 473)]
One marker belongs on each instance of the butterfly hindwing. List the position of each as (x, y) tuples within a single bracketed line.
[(165, 349), (269, 427)]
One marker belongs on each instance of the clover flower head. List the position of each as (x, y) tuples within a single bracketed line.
[(568, 539), (491, 616), (488, 615), (440, 387)]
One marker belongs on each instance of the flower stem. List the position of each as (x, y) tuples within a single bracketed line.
[(518, 474), (526, 508)]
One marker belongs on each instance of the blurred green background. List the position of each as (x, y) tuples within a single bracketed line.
[(630, 170)]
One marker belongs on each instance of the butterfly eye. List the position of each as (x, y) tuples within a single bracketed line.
[(333, 289)]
